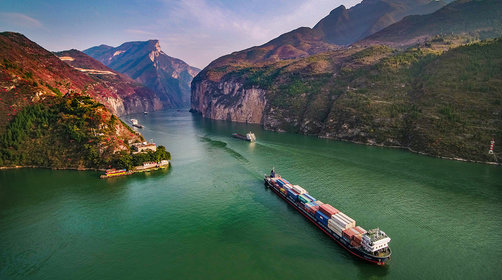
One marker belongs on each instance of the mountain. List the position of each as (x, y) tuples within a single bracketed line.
[(341, 27), (346, 26), (439, 97), (50, 114), (132, 97), (483, 17), (147, 64)]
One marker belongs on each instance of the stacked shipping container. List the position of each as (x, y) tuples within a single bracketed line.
[(328, 215), (337, 222)]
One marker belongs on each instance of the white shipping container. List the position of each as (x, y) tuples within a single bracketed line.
[(340, 217), (344, 218), (335, 229), (338, 221), (347, 217), (341, 223)]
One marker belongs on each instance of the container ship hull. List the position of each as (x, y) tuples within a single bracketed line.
[(341, 241)]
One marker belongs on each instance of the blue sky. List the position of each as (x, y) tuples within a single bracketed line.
[(196, 31)]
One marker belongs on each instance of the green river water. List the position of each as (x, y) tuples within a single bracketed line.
[(210, 217)]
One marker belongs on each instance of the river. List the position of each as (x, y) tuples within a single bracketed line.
[(210, 217)]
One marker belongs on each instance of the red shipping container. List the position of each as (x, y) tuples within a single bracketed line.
[(328, 210), (350, 233)]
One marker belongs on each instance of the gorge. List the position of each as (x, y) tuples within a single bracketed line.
[(394, 88)]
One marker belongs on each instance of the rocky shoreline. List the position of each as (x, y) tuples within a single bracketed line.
[(412, 151)]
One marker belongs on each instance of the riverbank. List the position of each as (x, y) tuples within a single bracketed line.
[(52, 168), (412, 151), (77, 168)]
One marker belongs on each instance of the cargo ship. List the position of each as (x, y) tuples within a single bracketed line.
[(248, 137), (371, 245)]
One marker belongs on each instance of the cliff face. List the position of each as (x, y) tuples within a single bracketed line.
[(169, 78), (129, 96), (229, 100), (342, 26), (438, 97)]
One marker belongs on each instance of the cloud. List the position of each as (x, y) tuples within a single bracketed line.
[(140, 32), (20, 20), (202, 30)]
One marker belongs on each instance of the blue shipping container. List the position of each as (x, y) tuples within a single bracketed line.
[(292, 194), (309, 196), (321, 218)]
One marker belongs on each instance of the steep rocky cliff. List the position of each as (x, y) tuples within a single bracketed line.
[(437, 97), (146, 63), (130, 96), (229, 100), (342, 26)]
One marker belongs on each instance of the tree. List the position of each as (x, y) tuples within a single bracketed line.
[(162, 154)]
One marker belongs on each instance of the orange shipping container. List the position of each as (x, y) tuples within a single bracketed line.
[(350, 233), (358, 239), (360, 230)]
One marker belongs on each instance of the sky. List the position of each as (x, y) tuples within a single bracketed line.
[(196, 31)]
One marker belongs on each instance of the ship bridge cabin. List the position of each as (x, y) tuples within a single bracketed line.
[(375, 240)]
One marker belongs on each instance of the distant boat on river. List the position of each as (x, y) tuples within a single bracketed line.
[(136, 123), (248, 137)]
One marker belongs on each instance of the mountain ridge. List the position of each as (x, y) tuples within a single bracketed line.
[(352, 25), (146, 63), (453, 18), (374, 94), (132, 96)]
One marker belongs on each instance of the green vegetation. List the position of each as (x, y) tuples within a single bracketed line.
[(60, 132), (68, 132), (434, 98), (128, 160), (55, 90)]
